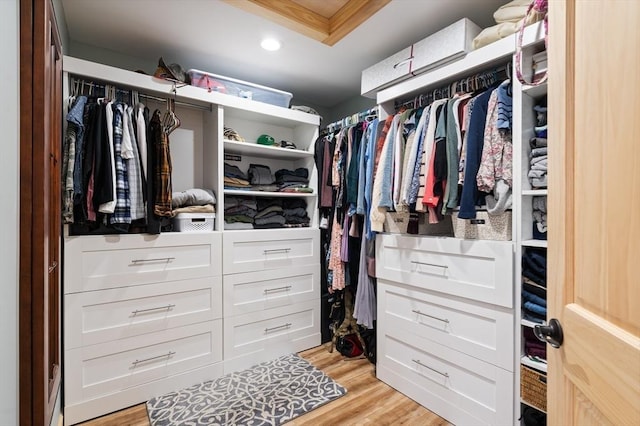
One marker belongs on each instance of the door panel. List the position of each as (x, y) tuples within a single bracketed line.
[(594, 199)]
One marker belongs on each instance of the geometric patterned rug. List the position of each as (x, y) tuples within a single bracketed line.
[(270, 393)]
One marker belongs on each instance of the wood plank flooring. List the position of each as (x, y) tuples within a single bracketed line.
[(368, 401)]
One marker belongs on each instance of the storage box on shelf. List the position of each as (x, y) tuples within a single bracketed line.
[(443, 46)]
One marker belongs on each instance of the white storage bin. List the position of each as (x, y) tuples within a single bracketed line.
[(194, 222), (239, 88), (444, 46)]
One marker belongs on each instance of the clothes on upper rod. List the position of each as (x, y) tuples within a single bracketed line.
[(116, 167)]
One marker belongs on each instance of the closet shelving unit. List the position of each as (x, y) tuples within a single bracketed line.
[(149, 314), (403, 287), (526, 97)]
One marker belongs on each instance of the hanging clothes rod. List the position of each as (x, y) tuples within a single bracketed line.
[(84, 85), (479, 81), (352, 119)]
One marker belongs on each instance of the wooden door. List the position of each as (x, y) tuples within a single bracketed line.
[(594, 218), (40, 213)]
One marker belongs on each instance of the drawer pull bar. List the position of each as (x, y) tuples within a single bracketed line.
[(415, 311), (430, 264), (417, 361), (280, 250), (268, 330), (159, 259), (167, 307), (402, 62), (140, 361), (271, 290)]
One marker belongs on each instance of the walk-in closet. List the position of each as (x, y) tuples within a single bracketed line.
[(377, 212)]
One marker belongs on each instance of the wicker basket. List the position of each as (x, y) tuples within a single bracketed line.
[(533, 388)]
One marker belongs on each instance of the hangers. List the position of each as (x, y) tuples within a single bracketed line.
[(170, 121)]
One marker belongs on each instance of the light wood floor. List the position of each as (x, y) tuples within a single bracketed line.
[(368, 401)]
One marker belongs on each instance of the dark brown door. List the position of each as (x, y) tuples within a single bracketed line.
[(40, 223)]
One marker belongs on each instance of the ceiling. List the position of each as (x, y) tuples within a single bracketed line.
[(223, 37)]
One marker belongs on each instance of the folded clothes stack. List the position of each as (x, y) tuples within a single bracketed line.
[(534, 278), (261, 178), (293, 180), (234, 178), (239, 212), (538, 157), (539, 205), (194, 200)]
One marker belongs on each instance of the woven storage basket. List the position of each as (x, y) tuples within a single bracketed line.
[(533, 388)]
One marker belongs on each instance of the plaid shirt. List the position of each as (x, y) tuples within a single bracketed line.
[(122, 212)]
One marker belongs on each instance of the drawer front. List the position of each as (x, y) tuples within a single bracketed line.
[(107, 315), (477, 270), (248, 251), (256, 291), (393, 69), (100, 262), (115, 366), (474, 329), (272, 328), (457, 387)]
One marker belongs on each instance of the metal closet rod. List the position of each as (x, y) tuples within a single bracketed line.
[(93, 84)]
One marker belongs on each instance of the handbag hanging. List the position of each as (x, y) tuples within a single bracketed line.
[(540, 7)]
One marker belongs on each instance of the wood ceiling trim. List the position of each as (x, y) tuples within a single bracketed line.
[(350, 16), (309, 23)]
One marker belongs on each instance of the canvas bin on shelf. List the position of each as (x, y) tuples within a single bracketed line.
[(239, 88), (194, 222), (484, 227)]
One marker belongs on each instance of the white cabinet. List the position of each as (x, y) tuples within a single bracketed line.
[(146, 314), (438, 342), (449, 310), (271, 295), (132, 329)]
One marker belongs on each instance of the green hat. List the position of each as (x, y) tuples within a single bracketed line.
[(266, 140)]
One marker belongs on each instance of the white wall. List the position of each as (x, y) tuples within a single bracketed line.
[(9, 123)]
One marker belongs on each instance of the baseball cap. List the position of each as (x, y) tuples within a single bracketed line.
[(266, 140)]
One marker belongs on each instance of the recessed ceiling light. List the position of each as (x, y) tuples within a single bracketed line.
[(270, 44)]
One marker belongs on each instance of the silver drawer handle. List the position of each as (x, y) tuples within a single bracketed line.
[(140, 361), (280, 327), (167, 307), (417, 361), (429, 264), (271, 290), (415, 311), (404, 61), (159, 259), (280, 250)]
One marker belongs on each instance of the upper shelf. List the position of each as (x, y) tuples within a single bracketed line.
[(493, 54), (250, 148), (151, 85)]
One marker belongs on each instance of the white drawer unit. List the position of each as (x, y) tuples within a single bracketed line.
[(111, 261), (112, 314), (256, 291), (106, 368), (477, 270), (462, 389), (481, 331), (247, 251), (257, 336)]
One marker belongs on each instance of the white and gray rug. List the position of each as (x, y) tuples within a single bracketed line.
[(270, 393)]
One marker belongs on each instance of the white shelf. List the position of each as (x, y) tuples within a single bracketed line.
[(149, 84), (532, 406), (493, 54), (529, 324), (535, 243), (536, 365), (535, 91), (254, 149), (244, 193), (535, 192)]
